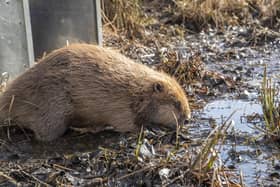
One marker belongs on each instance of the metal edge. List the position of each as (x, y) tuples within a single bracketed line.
[(98, 22), (28, 31)]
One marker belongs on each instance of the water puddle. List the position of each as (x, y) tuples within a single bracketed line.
[(253, 158), (219, 110)]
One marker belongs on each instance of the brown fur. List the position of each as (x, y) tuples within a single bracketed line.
[(89, 86)]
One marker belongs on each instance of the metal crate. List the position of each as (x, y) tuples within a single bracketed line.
[(29, 28), (57, 22), (16, 47)]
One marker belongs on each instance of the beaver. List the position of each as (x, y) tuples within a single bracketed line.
[(83, 85)]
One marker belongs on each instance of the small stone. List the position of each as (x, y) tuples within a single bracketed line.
[(164, 173)]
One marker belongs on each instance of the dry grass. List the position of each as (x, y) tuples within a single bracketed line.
[(124, 15), (128, 15), (185, 70), (226, 12)]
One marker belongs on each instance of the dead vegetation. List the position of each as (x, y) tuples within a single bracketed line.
[(186, 70), (189, 70), (193, 15), (155, 157), (198, 14), (123, 15)]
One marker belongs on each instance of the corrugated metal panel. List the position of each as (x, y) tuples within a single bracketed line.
[(16, 52), (54, 22)]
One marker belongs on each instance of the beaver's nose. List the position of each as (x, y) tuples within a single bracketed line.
[(189, 116), (186, 118)]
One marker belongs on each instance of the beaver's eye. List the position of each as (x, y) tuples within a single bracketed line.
[(178, 105), (158, 87)]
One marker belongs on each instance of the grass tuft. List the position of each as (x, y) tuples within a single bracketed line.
[(271, 107), (139, 142), (124, 15), (198, 14)]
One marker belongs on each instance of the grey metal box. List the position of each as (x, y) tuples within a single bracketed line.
[(57, 22), (29, 28), (16, 50)]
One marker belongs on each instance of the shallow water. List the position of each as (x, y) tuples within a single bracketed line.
[(219, 110), (245, 150), (235, 154)]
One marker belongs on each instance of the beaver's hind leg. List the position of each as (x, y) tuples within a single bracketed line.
[(52, 120), (50, 125)]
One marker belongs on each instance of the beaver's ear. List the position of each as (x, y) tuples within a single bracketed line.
[(158, 87)]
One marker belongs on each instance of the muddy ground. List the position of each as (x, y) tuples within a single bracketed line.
[(229, 81)]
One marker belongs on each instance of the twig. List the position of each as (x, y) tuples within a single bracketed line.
[(213, 178), (10, 179), (62, 167), (5, 144), (108, 22), (226, 178), (139, 142), (177, 131), (33, 177), (9, 116), (174, 179), (241, 179), (137, 171)]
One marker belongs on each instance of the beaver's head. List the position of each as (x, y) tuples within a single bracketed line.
[(168, 103)]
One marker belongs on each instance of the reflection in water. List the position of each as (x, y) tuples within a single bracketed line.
[(255, 160), (221, 109)]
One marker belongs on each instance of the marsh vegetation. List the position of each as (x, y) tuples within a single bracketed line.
[(217, 50)]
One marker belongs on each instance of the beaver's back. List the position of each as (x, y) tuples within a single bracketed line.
[(107, 82)]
